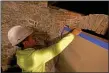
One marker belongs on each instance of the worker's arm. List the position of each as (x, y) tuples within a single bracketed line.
[(54, 50)]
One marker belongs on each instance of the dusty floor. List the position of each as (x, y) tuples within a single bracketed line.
[(47, 21)]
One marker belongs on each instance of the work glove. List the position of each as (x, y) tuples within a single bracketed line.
[(76, 31)]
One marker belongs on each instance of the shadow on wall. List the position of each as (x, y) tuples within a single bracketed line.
[(83, 7), (106, 36)]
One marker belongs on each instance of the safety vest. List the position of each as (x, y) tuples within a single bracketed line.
[(31, 60)]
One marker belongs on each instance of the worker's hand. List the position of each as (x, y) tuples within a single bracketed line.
[(76, 31)]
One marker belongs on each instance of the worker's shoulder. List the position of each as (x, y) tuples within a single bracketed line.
[(28, 50)]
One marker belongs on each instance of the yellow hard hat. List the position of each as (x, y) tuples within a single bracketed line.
[(17, 34)]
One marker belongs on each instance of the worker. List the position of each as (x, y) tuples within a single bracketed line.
[(34, 60)]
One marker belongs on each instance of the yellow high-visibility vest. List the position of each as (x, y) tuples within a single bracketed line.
[(31, 60)]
